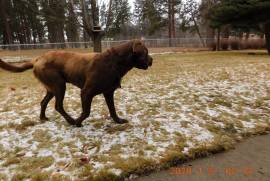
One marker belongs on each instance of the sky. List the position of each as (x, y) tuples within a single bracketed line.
[(131, 3)]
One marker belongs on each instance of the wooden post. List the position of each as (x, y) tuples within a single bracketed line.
[(97, 36)]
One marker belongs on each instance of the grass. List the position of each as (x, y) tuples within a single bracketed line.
[(186, 106)]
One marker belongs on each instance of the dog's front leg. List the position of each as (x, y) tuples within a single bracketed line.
[(86, 98), (110, 103)]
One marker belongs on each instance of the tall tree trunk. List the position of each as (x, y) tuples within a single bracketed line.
[(210, 36), (267, 36), (198, 31), (218, 39), (71, 24), (173, 18), (247, 35), (109, 17), (6, 23), (91, 24), (225, 32), (170, 21), (87, 22), (95, 13), (27, 30)]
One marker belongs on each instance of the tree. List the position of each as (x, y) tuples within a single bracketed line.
[(243, 13), (71, 23), (91, 20), (35, 21), (119, 18), (21, 21), (54, 14), (103, 14), (5, 20), (205, 7), (192, 16), (148, 15), (172, 6)]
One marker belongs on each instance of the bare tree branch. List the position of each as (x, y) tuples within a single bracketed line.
[(109, 17), (87, 23)]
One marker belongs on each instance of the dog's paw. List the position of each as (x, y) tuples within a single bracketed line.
[(121, 121), (44, 119), (79, 125)]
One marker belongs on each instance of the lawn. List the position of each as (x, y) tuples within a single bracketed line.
[(186, 106)]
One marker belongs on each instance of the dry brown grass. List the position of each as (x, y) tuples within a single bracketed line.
[(168, 108)]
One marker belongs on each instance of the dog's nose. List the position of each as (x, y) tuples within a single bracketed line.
[(150, 61)]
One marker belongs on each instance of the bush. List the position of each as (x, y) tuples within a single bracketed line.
[(256, 44), (213, 46), (224, 44), (262, 43), (252, 44), (235, 44), (243, 45)]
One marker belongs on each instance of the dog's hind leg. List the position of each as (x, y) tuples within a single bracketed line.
[(55, 84), (44, 104)]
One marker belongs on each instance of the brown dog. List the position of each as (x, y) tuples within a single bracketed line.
[(92, 73)]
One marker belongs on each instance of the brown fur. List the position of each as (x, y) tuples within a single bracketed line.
[(20, 68), (93, 73)]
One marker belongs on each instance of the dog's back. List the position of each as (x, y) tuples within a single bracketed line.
[(71, 66)]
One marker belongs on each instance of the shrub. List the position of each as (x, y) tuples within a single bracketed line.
[(235, 44), (255, 43), (252, 44), (224, 44), (213, 46), (243, 45), (262, 43)]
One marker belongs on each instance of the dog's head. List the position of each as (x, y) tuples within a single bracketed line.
[(140, 57)]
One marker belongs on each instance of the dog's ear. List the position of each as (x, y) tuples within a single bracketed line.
[(137, 46)]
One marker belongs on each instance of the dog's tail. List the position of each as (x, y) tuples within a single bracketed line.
[(16, 68)]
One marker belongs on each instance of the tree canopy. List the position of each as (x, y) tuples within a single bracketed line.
[(238, 12), (243, 13)]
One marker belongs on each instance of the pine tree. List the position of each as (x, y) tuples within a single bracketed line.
[(35, 21), (54, 14), (103, 15), (205, 6), (71, 23), (149, 15), (243, 13), (5, 21), (120, 17), (172, 6), (191, 16)]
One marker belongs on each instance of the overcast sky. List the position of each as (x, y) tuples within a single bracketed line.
[(131, 3)]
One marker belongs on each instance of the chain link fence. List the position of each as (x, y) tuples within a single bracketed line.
[(19, 52), (151, 43)]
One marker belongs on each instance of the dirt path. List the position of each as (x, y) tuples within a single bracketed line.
[(250, 160)]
